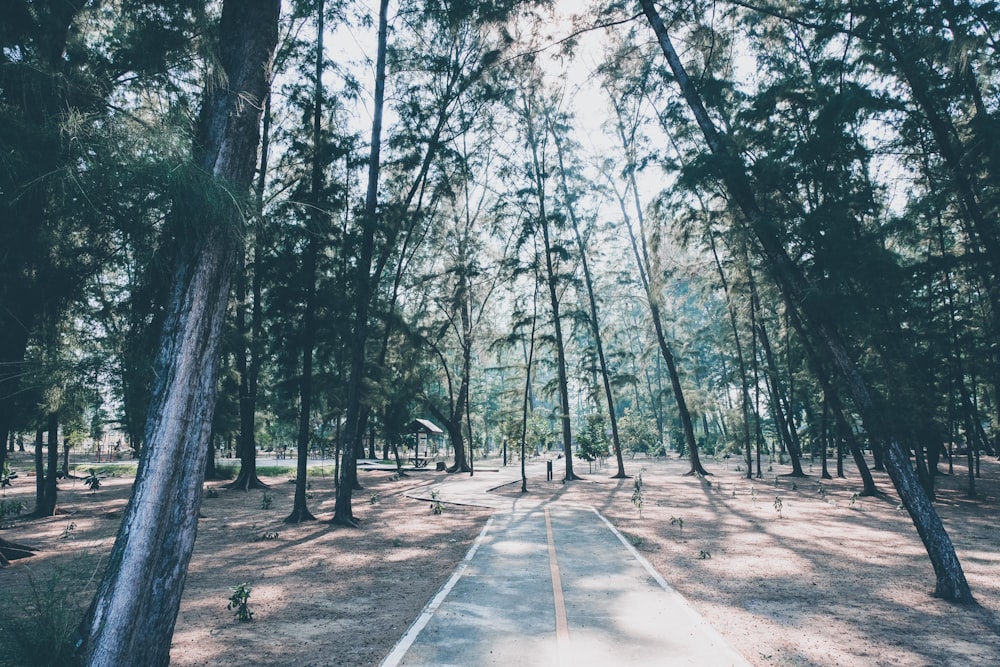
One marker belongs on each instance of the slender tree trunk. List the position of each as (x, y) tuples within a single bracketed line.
[(785, 427), (594, 319), (131, 620), (343, 513), (526, 405), (248, 356), (539, 177), (951, 583), (652, 297), (741, 362), (562, 375), (315, 230), (40, 473)]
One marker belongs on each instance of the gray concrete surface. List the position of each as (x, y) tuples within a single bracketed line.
[(554, 584)]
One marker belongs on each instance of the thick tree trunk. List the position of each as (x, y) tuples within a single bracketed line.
[(950, 579), (131, 620)]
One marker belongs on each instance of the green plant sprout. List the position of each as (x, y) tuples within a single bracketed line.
[(68, 530), (93, 481), (637, 499), (238, 602)]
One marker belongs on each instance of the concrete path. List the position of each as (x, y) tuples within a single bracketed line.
[(554, 584)]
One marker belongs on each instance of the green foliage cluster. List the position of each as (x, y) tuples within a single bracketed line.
[(239, 602), (35, 631)]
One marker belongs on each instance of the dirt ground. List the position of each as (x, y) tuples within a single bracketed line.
[(831, 579)]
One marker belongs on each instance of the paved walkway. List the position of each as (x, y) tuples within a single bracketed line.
[(553, 584)]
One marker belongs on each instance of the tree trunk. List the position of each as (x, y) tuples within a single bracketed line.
[(741, 362), (786, 428), (40, 473), (131, 620), (538, 176), (950, 579), (248, 356), (645, 269), (595, 325), (343, 513), (315, 231)]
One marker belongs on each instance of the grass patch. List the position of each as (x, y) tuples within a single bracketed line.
[(105, 469), (38, 623)]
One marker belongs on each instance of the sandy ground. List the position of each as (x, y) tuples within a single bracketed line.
[(831, 579)]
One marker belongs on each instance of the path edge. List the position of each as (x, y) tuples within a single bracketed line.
[(403, 645)]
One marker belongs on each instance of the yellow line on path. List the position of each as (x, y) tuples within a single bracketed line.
[(562, 627)]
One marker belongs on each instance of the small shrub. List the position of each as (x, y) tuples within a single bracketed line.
[(266, 536), (637, 498), (92, 480), (11, 508), (6, 476), (436, 506), (68, 530), (635, 540), (239, 602), (40, 634)]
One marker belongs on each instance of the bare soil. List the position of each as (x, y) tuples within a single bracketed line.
[(831, 579)]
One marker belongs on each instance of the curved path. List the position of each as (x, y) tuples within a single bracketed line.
[(553, 584)]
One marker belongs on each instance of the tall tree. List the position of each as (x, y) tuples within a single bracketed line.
[(343, 513), (594, 320), (131, 619), (950, 579)]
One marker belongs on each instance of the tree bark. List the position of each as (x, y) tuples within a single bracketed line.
[(951, 583), (131, 620)]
